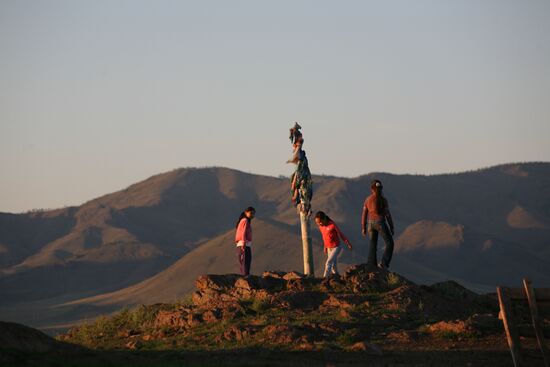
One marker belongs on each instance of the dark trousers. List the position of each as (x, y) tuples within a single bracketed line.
[(374, 228), (245, 258)]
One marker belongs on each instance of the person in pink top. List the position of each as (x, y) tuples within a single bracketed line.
[(243, 239), (375, 220), (331, 239)]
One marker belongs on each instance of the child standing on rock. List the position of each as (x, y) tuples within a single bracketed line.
[(331, 239), (243, 239)]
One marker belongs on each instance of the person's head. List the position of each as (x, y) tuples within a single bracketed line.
[(321, 218), (249, 213), (376, 189), (376, 186)]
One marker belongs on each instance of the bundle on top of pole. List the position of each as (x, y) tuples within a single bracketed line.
[(301, 188)]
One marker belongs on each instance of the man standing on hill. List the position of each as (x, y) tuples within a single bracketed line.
[(375, 219)]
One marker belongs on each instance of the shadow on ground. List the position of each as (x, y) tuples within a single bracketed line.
[(254, 358)]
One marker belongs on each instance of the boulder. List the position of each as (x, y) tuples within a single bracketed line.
[(215, 282), (365, 346), (306, 300), (194, 319), (344, 301), (407, 298), (212, 315), (274, 274), (300, 284), (364, 278), (280, 334), (219, 290), (257, 287), (237, 333), (333, 283), (293, 275), (171, 319)]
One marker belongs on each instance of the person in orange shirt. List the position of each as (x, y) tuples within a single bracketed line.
[(375, 220), (331, 239), (243, 239)]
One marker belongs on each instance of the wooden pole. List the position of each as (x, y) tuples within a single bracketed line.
[(301, 187), (530, 292), (305, 221), (509, 325)]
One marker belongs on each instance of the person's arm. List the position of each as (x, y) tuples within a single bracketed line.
[(364, 219), (343, 236), (389, 218), (293, 183)]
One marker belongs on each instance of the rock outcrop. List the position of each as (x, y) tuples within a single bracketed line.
[(361, 290), (297, 312)]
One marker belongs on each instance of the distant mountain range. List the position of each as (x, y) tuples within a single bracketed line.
[(148, 242)]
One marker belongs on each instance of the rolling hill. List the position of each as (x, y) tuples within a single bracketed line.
[(148, 242)]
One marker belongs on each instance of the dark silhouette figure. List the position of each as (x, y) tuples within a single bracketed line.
[(375, 220)]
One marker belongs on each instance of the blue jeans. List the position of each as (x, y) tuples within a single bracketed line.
[(374, 228), (331, 266)]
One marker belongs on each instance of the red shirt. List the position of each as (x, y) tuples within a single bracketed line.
[(370, 205), (331, 234)]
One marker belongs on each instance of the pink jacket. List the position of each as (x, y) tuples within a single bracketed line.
[(244, 231)]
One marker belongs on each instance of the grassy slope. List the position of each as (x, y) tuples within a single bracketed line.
[(403, 332)]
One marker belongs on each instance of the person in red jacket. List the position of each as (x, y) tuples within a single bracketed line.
[(375, 220), (331, 239), (243, 239)]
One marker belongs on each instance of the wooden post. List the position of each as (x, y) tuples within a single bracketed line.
[(536, 320), (302, 192), (509, 325), (305, 221)]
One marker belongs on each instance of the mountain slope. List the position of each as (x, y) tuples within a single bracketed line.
[(483, 228)]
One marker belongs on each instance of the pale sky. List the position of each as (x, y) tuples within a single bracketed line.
[(97, 95)]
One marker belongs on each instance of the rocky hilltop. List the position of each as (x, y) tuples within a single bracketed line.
[(366, 312)]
